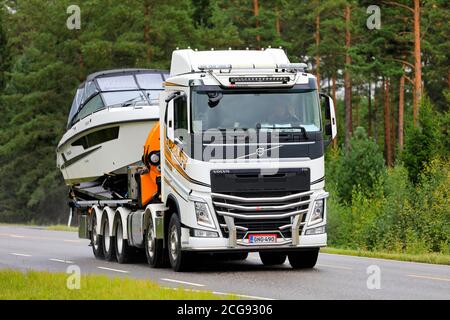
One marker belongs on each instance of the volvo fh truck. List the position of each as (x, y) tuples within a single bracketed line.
[(234, 165)]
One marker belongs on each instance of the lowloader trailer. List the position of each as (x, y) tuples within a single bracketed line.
[(235, 165)]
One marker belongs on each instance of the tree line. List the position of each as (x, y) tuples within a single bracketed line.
[(378, 76)]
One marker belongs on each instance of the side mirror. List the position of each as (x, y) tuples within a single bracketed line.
[(330, 117), (169, 121), (169, 114)]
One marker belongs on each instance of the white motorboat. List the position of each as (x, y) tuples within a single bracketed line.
[(112, 113)]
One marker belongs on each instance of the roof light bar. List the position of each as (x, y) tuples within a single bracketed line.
[(234, 80), (214, 66), (293, 66)]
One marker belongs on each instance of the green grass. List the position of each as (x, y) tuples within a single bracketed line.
[(61, 227), (32, 285), (53, 227), (435, 258)]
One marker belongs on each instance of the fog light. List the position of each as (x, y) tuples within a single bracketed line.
[(203, 233), (314, 231)]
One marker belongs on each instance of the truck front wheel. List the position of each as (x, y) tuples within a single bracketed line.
[(303, 259), (272, 258), (179, 260), (154, 249)]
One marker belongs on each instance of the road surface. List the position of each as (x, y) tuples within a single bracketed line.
[(334, 277)]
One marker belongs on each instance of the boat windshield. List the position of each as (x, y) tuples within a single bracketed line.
[(116, 91)]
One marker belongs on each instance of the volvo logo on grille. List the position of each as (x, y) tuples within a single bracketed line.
[(260, 152)]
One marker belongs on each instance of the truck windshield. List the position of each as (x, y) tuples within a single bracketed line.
[(289, 110)]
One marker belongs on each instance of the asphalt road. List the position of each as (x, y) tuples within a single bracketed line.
[(334, 277)]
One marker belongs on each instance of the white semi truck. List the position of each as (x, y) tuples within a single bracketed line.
[(235, 165)]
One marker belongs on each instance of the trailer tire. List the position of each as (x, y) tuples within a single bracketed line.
[(179, 260), (154, 248), (272, 258), (96, 240), (122, 247), (303, 259), (108, 241)]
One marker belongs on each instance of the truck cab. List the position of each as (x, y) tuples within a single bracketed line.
[(242, 140)]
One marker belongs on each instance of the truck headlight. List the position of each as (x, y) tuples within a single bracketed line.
[(318, 211), (203, 215)]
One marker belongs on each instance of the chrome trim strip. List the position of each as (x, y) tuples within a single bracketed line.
[(261, 208), (261, 217), (271, 199), (256, 144), (237, 227)]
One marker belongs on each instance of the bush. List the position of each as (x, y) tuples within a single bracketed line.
[(398, 216), (359, 167)]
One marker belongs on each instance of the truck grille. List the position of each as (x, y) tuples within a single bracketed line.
[(261, 212)]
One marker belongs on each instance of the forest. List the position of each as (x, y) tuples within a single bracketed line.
[(385, 63)]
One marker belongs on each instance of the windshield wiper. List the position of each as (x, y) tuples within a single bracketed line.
[(233, 131)]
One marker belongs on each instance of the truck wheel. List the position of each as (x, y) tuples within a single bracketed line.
[(122, 248), (179, 260), (303, 259), (154, 248), (96, 240), (108, 241), (272, 258)]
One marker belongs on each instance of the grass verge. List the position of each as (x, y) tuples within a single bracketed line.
[(434, 258), (61, 227), (33, 285)]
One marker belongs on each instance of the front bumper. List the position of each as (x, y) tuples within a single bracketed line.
[(222, 244), (237, 240)]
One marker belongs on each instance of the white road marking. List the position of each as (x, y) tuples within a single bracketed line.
[(333, 266), (20, 254), (62, 261), (16, 236), (428, 277), (76, 241), (184, 282), (115, 270)]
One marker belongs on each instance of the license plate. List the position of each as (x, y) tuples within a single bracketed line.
[(262, 238)]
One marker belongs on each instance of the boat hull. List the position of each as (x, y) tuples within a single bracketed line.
[(104, 143)]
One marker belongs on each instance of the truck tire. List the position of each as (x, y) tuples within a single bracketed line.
[(108, 241), (154, 248), (303, 259), (179, 260), (272, 258), (122, 248), (96, 240)]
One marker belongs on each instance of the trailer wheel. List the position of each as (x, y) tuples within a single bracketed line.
[(96, 240), (108, 241), (303, 259), (179, 260), (154, 248), (122, 248), (272, 258)]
